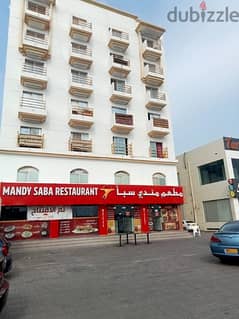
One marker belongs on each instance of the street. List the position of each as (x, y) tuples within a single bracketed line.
[(175, 279)]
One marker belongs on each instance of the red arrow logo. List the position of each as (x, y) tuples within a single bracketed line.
[(203, 5)]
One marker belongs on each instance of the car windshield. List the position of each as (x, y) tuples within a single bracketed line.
[(189, 221), (231, 228)]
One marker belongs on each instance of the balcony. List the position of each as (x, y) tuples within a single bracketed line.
[(120, 67), (81, 58), (153, 76), (32, 110), (152, 51), (119, 41), (33, 141), (156, 101), (158, 128), (34, 77), (157, 154), (121, 94), (122, 149), (37, 16), (35, 47), (78, 145), (81, 86), (81, 30), (81, 117), (122, 123)]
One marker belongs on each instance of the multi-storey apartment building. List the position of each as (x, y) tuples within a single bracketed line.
[(86, 136), (210, 178)]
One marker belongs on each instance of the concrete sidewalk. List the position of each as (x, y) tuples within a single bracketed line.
[(62, 242)]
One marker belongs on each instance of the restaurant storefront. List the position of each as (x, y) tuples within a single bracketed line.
[(37, 211)]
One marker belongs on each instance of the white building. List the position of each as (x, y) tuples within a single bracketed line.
[(204, 174), (84, 97)]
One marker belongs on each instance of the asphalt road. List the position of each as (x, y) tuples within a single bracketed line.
[(174, 279)]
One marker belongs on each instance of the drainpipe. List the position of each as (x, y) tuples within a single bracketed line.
[(188, 166)]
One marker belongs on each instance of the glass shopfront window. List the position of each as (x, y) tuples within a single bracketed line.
[(85, 211), (13, 213)]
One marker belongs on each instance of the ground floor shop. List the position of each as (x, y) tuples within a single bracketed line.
[(37, 211)]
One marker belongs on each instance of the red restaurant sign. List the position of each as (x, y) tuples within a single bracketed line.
[(32, 194)]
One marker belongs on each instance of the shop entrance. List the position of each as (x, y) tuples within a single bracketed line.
[(124, 219), (155, 218)]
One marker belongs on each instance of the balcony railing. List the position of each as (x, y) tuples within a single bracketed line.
[(33, 103), (157, 122), (76, 144), (30, 140), (37, 8), (122, 88), (80, 29), (87, 80), (87, 52), (81, 22), (119, 67), (158, 128), (34, 76), (153, 75), (32, 110), (156, 101), (82, 111), (37, 16), (120, 34), (81, 58), (121, 94), (34, 69), (122, 123), (119, 41), (158, 154), (123, 119), (122, 149)]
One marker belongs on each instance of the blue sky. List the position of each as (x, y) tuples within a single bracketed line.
[(202, 68)]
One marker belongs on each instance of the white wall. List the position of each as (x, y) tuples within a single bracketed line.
[(57, 169)]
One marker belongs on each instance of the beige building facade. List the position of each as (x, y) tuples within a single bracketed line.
[(204, 173)]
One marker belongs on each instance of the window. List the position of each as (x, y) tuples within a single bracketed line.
[(32, 95), (235, 165), (149, 42), (79, 76), (79, 103), (27, 174), (34, 66), (30, 130), (152, 67), (116, 33), (120, 145), (159, 179), (119, 110), (34, 34), (153, 92), (36, 8), (79, 176), (78, 46), (118, 85), (217, 210), (121, 178), (80, 136), (14, 213), (156, 149), (212, 172), (153, 116), (85, 211)]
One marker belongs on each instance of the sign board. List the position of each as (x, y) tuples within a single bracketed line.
[(37, 194)]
